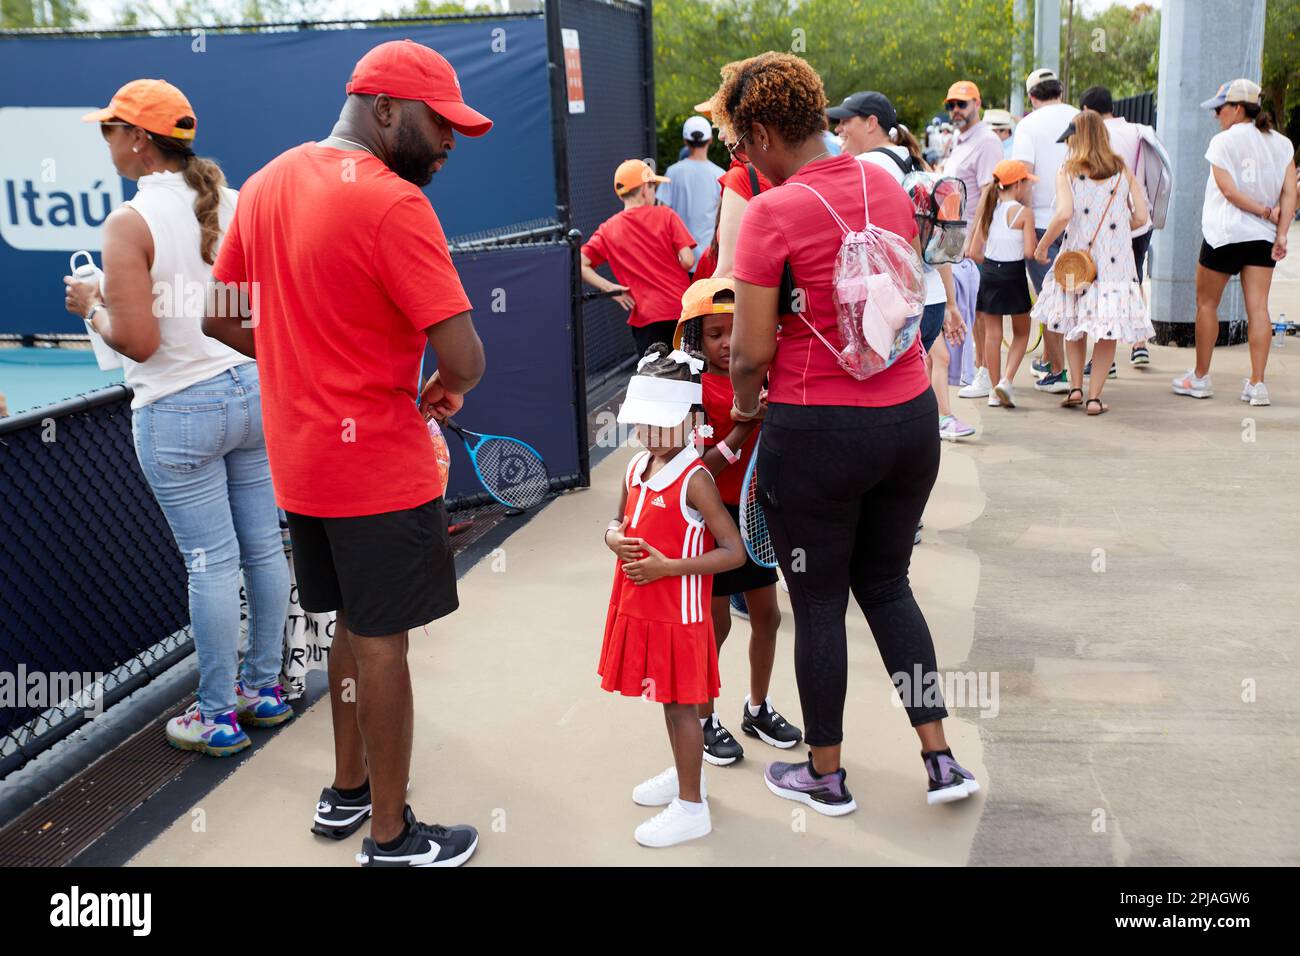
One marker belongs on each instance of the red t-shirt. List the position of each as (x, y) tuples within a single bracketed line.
[(790, 223), (641, 244), (351, 267), (736, 178), (718, 398), (704, 268)]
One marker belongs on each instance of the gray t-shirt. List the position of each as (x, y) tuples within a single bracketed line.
[(693, 194)]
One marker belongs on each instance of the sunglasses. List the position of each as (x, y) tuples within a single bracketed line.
[(957, 104), (107, 124), (735, 148)]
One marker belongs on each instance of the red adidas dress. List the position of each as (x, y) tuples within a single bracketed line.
[(659, 636)]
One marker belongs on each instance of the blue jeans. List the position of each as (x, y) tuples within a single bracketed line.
[(204, 455), (1037, 270)]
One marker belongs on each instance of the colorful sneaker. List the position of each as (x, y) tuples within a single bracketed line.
[(1195, 387), (738, 606), (1256, 394), (337, 816), (1054, 384), (769, 726), (424, 845), (661, 789), (1139, 356), (951, 428), (1113, 374), (1040, 367), (675, 824), (1005, 393), (217, 736), (720, 748), (949, 781), (978, 388), (826, 794), (261, 708)]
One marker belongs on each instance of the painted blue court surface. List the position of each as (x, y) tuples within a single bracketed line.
[(31, 377)]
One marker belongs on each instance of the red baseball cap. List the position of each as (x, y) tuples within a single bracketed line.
[(412, 71)]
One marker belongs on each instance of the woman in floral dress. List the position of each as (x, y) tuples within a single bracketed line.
[(1097, 205)]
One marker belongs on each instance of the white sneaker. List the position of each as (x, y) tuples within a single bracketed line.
[(661, 790), (978, 388), (1258, 394), (675, 824), (1189, 384), (1005, 394), (994, 401)]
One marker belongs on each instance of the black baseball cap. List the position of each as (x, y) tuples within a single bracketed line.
[(869, 103), (1069, 131)]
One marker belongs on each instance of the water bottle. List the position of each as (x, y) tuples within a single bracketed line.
[(1279, 331), (87, 271)]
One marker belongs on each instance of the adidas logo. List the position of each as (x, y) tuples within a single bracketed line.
[(658, 501)]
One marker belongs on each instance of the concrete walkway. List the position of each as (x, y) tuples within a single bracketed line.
[(1127, 581)]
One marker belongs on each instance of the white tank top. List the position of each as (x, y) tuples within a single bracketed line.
[(1004, 243), (180, 277)]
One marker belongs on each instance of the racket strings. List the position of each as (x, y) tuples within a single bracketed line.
[(753, 526), (513, 472)]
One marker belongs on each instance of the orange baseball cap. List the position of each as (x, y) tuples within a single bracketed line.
[(1009, 171), (633, 174), (412, 71), (697, 302), (153, 105), (962, 90)]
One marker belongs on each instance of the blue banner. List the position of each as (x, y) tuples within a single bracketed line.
[(255, 95)]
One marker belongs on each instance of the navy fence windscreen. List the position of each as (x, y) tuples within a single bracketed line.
[(90, 574), (522, 300), (255, 95)]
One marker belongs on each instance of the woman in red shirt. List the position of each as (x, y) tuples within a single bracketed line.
[(845, 466)]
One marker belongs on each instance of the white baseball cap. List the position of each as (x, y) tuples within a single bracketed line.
[(1234, 91), (1038, 76), (697, 130)]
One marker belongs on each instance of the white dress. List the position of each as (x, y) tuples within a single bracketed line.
[(1111, 307)]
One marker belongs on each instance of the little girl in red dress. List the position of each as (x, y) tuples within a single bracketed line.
[(672, 535)]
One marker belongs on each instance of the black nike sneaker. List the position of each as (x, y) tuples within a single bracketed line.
[(338, 817), (769, 726), (425, 845), (720, 748)]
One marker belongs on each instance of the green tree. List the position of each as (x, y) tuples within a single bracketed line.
[(1281, 72), (26, 14), (1118, 48)]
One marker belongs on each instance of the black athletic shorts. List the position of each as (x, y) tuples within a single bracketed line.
[(1230, 259), (647, 335), (389, 572), (750, 576)]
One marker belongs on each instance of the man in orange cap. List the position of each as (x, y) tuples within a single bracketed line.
[(649, 250), (354, 280), (976, 149)]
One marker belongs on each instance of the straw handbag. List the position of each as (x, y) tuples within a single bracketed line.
[(1074, 271)]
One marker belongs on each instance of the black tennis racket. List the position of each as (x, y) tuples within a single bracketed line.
[(510, 470), (753, 523)]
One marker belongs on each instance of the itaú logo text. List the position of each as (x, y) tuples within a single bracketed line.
[(57, 183)]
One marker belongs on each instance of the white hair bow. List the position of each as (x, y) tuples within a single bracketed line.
[(677, 355)]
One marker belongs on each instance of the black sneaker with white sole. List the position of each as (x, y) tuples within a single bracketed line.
[(425, 844), (720, 748), (338, 817), (769, 726)]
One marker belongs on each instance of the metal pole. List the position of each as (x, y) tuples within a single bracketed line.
[(1047, 35), (1018, 71)]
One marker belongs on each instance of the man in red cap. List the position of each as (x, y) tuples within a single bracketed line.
[(350, 277)]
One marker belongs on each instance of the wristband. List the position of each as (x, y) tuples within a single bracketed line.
[(727, 453)]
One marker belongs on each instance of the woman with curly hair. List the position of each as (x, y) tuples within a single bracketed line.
[(845, 465)]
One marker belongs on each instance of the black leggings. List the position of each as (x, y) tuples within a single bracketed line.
[(843, 489), (647, 335)]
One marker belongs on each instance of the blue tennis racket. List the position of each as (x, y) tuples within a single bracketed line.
[(753, 523), (510, 470)]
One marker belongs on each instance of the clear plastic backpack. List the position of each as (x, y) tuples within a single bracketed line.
[(879, 293), (940, 205)]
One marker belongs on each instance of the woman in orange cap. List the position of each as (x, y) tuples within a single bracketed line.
[(196, 411)]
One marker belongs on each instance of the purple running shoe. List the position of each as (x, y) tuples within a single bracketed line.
[(949, 780), (826, 794)]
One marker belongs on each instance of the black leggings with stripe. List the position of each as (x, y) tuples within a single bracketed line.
[(843, 489)]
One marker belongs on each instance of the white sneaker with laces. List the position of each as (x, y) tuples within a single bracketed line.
[(661, 789), (675, 824), (978, 388), (994, 401), (1005, 394), (1192, 386), (1258, 393)]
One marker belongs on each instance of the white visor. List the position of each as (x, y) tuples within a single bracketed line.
[(661, 402)]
